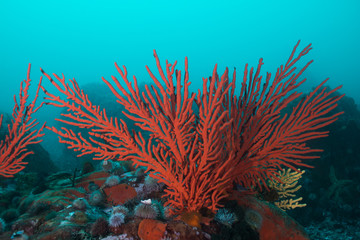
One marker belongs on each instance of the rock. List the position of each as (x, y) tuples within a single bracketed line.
[(270, 221)]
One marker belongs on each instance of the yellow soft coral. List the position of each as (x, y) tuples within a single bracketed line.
[(286, 185)]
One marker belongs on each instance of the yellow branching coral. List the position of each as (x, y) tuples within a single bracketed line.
[(286, 185)]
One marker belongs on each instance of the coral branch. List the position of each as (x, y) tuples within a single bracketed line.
[(263, 139), (198, 154), (21, 132)]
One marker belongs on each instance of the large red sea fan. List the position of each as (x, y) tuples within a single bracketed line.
[(199, 154)]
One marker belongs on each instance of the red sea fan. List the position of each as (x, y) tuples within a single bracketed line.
[(197, 155), (22, 132)]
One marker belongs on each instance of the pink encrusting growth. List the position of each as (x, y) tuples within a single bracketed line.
[(22, 132), (198, 152)]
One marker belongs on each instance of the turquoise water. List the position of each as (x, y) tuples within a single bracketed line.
[(83, 39)]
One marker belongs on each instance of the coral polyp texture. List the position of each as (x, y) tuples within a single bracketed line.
[(198, 144)]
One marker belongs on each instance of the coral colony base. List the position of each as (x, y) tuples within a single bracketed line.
[(219, 163)]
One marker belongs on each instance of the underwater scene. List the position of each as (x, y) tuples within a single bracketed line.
[(181, 120)]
